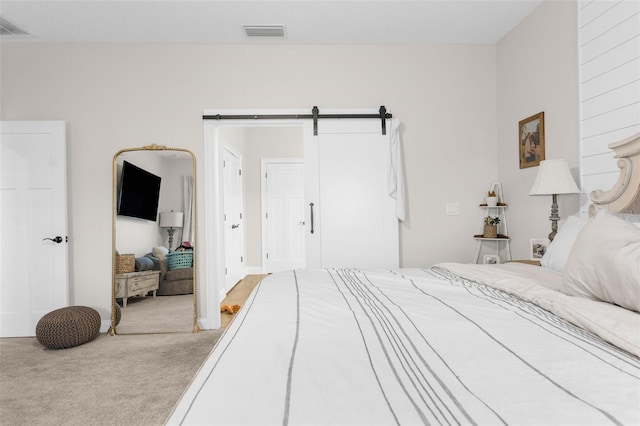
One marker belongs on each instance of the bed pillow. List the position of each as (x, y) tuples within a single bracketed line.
[(558, 251), (604, 263), (160, 251), (143, 263)]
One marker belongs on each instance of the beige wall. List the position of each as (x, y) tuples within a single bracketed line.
[(115, 95), (537, 70)]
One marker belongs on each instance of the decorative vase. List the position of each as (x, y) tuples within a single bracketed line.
[(490, 231), (491, 201)]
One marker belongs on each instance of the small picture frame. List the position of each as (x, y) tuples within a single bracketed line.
[(538, 248), (491, 259), (531, 140)]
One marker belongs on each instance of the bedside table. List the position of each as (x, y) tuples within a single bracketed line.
[(136, 284)]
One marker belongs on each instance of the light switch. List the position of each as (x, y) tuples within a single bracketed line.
[(453, 209)]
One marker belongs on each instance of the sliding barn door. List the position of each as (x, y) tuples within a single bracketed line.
[(350, 216)]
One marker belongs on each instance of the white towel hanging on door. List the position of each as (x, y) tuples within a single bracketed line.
[(395, 176)]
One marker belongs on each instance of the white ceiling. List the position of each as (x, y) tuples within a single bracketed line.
[(306, 21)]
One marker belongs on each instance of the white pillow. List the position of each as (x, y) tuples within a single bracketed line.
[(558, 251), (604, 263), (160, 252)]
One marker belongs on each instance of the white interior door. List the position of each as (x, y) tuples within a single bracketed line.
[(33, 220), (354, 221), (233, 221), (283, 221)]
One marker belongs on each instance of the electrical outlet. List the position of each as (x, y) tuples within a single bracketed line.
[(453, 209)]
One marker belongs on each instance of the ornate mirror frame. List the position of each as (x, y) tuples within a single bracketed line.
[(153, 147)]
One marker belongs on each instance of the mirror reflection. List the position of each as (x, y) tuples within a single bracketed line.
[(154, 241)]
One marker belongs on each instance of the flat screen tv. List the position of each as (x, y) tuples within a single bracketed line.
[(139, 193)]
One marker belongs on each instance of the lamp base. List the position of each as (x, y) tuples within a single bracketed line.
[(170, 231), (554, 218)]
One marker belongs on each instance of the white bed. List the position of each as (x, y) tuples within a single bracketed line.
[(450, 344)]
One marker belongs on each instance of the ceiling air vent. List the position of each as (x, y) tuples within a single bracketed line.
[(8, 28), (264, 30)]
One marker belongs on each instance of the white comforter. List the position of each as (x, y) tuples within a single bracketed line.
[(346, 347)]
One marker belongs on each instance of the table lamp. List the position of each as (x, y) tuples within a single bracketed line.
[(171, 220), (554, 178)]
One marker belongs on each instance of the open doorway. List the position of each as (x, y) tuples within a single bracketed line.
[(252, 144), (333, 215)]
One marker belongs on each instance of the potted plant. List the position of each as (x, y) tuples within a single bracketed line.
[(491, 199), (491, 227)]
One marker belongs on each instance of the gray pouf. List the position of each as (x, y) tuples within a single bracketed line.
[(68, 327)]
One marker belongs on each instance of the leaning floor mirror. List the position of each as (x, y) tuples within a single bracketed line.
[(153, 286)]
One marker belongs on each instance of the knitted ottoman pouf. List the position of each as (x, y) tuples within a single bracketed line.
[(68, 327)]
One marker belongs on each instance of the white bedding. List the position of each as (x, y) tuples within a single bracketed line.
[(410, 346)]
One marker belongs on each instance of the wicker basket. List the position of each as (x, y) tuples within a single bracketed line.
[(125, 263), (490, 231), (180, 259)]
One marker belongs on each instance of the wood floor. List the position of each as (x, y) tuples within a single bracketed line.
[(238, 294)]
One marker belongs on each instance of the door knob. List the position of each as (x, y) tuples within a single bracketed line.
[(56, 240), (234, 226)]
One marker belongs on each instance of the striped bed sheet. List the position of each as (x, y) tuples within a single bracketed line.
[(407, 347)]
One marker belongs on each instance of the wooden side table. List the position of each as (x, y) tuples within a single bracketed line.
[(136, 284)]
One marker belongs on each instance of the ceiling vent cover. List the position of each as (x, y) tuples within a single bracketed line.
[(8, 28), (264, 30)]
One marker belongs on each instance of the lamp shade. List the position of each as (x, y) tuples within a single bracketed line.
[(554, 177), (171, 219)]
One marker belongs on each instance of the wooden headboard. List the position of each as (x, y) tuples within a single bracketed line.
[(624, 197)]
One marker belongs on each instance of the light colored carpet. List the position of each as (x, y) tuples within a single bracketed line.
[(114, 380), (162, 314)]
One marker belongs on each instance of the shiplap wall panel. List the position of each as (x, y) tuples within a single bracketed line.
[(609, 37)]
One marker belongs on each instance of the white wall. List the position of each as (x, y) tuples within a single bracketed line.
[(114, 96), (174, 169), (537, 70)]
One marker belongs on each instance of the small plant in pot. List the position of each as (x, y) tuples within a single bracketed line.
[(491, 227)]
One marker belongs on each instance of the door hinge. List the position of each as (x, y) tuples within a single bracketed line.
[(266, 175), (267, 255), (241, 259), (225, 217), (266, 215), (239, 172), (225, 271), (240, 215)]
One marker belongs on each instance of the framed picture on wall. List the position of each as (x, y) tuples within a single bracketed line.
[(538, 248), (531, 140)]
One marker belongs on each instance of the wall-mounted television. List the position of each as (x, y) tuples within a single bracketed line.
[(139, 193)]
